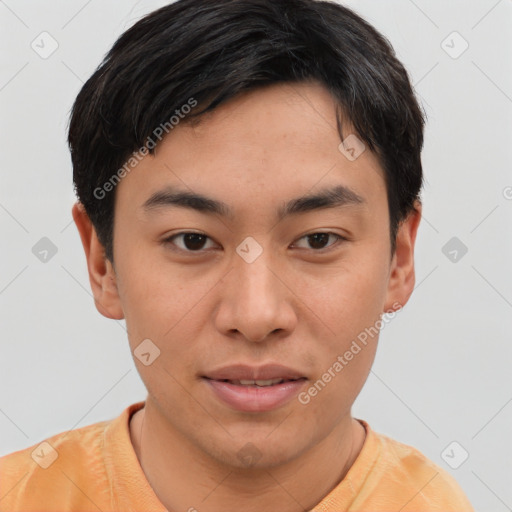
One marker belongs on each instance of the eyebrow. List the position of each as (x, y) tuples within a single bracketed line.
[(334, 197)]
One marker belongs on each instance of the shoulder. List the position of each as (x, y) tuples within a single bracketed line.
[(52, 466), (422, 484)]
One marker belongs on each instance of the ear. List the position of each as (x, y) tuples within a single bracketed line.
[(102, 276), (402, 277)]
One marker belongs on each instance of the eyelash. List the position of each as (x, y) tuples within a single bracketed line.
[(339, 239)]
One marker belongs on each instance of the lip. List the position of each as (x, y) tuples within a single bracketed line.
[(254, 398), (246, 372)]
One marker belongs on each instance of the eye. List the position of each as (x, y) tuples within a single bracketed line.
[(318, 241), (191, 241)]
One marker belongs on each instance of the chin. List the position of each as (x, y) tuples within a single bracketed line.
[(256, 452)]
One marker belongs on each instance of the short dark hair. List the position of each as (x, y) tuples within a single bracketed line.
[(213, 50)]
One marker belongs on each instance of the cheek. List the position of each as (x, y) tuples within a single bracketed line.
[(350, 306), (157, 301), (349, 303), (347, 298)]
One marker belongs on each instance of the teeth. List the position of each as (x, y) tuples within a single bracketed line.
[(269, 382)]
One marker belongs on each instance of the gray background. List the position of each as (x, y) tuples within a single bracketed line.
[(442, 372)]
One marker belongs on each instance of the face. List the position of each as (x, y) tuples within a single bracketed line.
[(249, 247)]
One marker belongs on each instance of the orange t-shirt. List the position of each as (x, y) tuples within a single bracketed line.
[(96, 468)]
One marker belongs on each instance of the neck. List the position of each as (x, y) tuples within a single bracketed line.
[(183, 477)]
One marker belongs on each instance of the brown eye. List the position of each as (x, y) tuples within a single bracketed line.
[(318, 241), (194, 241), (190, 242)]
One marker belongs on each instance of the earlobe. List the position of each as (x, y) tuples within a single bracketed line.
[(102, 276), (402, 275)]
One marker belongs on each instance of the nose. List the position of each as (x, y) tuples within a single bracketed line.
[(255, 302)]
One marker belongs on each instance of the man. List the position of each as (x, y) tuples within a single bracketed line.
[(248, 175)]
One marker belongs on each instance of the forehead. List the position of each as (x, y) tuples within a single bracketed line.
[(263, 146)]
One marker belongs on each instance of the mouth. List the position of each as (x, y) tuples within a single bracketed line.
[(261, 383), (254, 389)]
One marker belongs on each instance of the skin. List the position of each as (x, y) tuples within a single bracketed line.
[(295, 304)]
